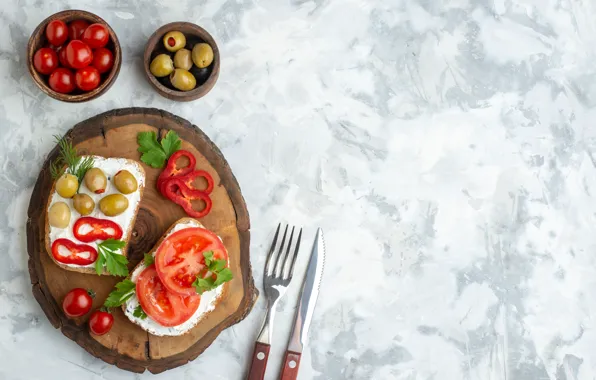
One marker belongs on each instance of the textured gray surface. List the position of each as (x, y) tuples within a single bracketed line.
[(447, 148)]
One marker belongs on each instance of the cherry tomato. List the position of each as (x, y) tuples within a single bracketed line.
[(87, 78), (45, 61), (78, 54), (62, 80), (100, 322), (76, 29), (179, 259), (77, 302), (68, 252), (164, 307), (96, 36), (103, 60), (61, 51), (57, 32)]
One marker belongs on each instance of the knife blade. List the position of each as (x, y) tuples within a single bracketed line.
[(306, 307)]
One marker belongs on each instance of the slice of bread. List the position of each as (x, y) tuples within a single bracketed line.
[(202, 312), (110, 166)]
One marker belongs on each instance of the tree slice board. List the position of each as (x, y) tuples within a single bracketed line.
[(114, 134)]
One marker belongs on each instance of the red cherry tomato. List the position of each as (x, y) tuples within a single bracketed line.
[(88, 229), (76, 29), (62, 80), (67, 252), (77, 302), (61, 51), (164, 307), (57, 32), (87, 78), (96, 36), (103, 60), (78, 54), (100, 322), (45, 61)]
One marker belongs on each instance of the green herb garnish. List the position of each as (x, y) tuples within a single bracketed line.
[(75, 164), (109, 258), (139, 312), (154, 153), (218, 269), (148, 260), (124, 290)]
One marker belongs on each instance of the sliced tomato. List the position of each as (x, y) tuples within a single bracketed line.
[(179, 259), (88, 229), (164, 307), (68, 252)]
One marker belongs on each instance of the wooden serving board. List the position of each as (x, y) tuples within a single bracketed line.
[(114, 134)]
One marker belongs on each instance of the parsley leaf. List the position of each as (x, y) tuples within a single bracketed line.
[(109, 257), (124, 290), (224, 276), (218, 269), (154, 153), (217, 265), (139, 312), (148, 260), (208, 257), (170, 143)]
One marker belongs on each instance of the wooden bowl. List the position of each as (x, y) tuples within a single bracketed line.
[(38, 40), (194, 34)]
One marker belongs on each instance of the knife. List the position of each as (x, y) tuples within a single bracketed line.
[(306, 308)]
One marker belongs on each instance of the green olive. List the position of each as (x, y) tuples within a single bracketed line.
[(67, 185), (202, 55), (182, 59), (174, 41), (114, 204), (96, 180), (125, 182), (83, 203), (59, 215), (161, 65), (183, 80)]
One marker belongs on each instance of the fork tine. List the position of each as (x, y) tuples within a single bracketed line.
[(295, 256), (271, 250), (281, 272), (280, 252)]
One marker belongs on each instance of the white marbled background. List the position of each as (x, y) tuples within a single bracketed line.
[(447, 147)]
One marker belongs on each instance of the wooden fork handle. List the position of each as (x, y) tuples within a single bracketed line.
[(291, 362), (259, 362)]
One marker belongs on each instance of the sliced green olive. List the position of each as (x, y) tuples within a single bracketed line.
[(83, 203), (67, 185), (182, 59), (125, 182), (174, 41), (59, 215), (202, 55), (96, 180), (114, 204), (183, 80), (161, 65)]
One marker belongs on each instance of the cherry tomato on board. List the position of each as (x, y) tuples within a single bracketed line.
[(78, 54), (96, 36), (103, 60), (164, 307), (62, 80), (77, 302), (100, 322), (87, 78), (76, 29), (45, 61), (57, 32), (68, 252), (179, 258)]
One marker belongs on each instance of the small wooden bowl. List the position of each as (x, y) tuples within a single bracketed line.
[(38, 40), (194, 34)]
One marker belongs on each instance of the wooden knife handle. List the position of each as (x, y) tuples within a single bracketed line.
[(259, 362), (291, 362)]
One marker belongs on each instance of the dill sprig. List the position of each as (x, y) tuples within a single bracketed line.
[(75, 164)]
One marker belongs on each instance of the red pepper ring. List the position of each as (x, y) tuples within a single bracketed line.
[(171, 171), (178, 193), (88, 229), (189, 178), (66, 251)]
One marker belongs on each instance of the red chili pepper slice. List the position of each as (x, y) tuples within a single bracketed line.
[(67, 252), (171, 170), (88, 229), (178, 193)]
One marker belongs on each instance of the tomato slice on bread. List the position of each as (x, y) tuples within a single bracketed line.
[(179, 259), (88, 229), (68, 252), (164, 307)]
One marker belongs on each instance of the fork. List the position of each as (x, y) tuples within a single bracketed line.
[(275, 282)]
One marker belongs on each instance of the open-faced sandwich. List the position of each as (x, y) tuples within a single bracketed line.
[(178, 283), (91, 211)]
